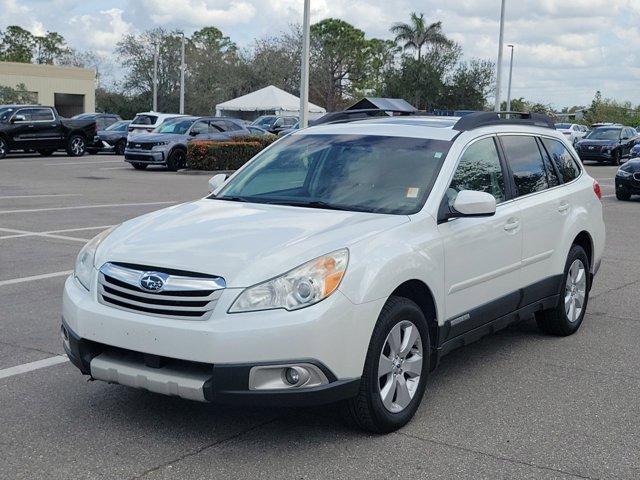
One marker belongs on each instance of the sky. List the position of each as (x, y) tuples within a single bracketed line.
[(565, 50)]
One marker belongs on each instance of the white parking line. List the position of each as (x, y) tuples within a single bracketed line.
[(40, 196), (78, 207), (82, 163), (44, 276), (26, 233), (29, 367)]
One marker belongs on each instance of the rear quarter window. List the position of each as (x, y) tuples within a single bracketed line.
[(564, 161)]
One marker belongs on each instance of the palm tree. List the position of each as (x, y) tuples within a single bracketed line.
[(417, 34)]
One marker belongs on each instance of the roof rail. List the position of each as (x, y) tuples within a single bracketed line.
[(482, 119), (346, 116)]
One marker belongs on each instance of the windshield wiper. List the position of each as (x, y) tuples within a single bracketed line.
[(316, 204), (231, 199)]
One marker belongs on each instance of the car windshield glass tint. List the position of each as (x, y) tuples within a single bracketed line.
[(604, 134), (5, 113), (118, 127), (264, 121), (563, 126), (379, 174), (144, 120), (177, 125)]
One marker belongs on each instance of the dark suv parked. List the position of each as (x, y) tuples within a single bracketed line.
[(607, 144), (275, 123)]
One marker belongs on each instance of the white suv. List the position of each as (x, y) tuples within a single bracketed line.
[(146, 122), (341, 263)]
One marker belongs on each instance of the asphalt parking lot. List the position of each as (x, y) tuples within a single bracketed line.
[(514, 405)]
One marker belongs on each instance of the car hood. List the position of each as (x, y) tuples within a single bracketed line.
[(157, 137), (245, 243)]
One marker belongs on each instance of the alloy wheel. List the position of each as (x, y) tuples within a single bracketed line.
[(77, 146), (3, 148), (400, 366), (575, 290)]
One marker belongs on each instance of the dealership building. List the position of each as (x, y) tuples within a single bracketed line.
[(71, 90)]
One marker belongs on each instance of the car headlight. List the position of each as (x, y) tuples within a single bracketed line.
[(160, 144), (301, 287), (85, 260), (624, 174)]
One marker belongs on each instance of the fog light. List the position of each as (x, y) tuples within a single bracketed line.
[(292, 376)]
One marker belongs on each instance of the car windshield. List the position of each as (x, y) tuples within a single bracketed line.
[(264, 121), (604, 134), (118, 126), (5, 113), (83, 116), (178, 126), (563, 126), (380, 174)]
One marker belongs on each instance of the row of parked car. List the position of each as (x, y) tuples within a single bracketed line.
[(150, 138), (603, 142)]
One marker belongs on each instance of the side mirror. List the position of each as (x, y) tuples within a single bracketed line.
[(19, 118), (216, 182), (194, 133), (470, 203)]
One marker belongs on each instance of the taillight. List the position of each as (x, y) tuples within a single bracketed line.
[(597, 190)]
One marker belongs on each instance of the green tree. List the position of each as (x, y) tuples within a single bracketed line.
[(16, 45), (19, 95), (417, 34), (340, 56), (49, 48)]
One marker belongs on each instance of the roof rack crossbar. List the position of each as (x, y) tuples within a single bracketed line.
[(347, 116), (483, 119)]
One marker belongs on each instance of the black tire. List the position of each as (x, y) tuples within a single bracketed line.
[(46, 153), (3, 148), (177, 159), (622, 194), (139, 166), (76, 146), (367, 410), (615, 158), (555, 321), (119, 148)]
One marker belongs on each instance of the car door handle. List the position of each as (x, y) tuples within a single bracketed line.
[(564, 207), (512, 225)]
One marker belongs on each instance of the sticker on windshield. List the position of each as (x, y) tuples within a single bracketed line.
[(437, 155), (412, 192)]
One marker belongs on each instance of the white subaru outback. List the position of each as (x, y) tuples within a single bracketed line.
[(341, 263)]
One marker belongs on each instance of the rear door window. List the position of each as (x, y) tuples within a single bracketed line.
[(564, 161), (526, 162)]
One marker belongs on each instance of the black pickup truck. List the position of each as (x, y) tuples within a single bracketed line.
[(41, 129)]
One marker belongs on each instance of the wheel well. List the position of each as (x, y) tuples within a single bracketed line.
[(418, 292), (584, 240)]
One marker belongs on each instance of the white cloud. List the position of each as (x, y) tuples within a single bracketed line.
[(565, 49)]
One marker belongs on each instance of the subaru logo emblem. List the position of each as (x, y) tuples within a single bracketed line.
[(152, 281)]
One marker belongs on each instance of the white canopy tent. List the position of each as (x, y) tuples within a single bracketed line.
[(266, 101)]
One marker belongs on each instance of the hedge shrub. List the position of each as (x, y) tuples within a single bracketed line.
[(229, 154)]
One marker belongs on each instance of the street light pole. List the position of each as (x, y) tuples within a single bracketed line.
[(182, 67), (155, 78), (510, 77), (500, 48), (304, 67)]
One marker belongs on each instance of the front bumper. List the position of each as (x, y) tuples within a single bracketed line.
[(332, 335), (630, 185), (595, 154), (144, 156)]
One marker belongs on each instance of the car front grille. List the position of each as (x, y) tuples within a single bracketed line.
[(139, 145), (180, 295)]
